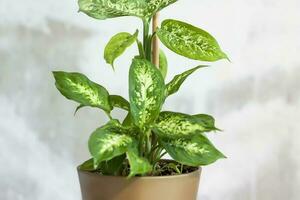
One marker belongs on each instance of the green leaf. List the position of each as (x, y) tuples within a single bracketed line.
[(189, 41), (108, 142), (178, 125), (103, 9), (113, 166), (87, 165), (120, 102), (193, 152), (207, 120), (128, 122), (174, 85), (78, 87), (163, 64), (138, 165), (146, 92), (117, 45)]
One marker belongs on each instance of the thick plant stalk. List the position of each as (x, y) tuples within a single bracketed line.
[(155, 43)]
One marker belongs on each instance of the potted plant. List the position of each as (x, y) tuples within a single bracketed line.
[(127, 156)]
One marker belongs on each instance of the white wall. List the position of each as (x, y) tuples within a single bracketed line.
[(255, 99)]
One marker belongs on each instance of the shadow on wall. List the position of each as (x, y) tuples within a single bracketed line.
[(41, 141)]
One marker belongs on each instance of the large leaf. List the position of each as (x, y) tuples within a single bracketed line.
[(178, 125), (118, 101), (174, 85), (117, 45), (103, 9), (138, 165), (193, 152), (146, 91), (189, 41), (108, 142), (163, 64), (78, 87)]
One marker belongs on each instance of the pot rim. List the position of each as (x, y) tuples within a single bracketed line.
[(197, 171)]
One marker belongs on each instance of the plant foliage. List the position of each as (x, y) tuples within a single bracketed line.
[(147, 132)]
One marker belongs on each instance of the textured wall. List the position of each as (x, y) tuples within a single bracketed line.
[(255, 99)]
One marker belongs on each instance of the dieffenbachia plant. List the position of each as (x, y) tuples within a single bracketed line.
[(147, 133)]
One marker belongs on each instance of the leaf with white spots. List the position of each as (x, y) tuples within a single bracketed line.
[(103, 9), (193, 152), (108, 142), (178, 125), (79, 88), (119, 102), (138, 164), (146, 92), (174, 85), (163, 63), (117, 45), (190, 41)]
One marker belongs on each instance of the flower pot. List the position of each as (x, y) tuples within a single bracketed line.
[(178, 187)]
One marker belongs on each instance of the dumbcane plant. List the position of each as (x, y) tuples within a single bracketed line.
[(136, 145)]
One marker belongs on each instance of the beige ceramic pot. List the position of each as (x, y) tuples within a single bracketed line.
[(178, 187)]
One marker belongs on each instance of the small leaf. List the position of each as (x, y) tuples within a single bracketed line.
[(178, 125), (103, 9), (113, 166), (120, 102), (87, 165), (207, 120), (108, 142), (193, 152), (138, 165), (189, 41), (78, 87), (174, 85), (117, 45), (146, 92), (163, 64)]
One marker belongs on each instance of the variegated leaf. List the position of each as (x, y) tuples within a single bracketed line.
[(174, 85), (103, 9), (117, 45), (193, 152), (163, 64), (146, 91), (118, 101), (108, 142), (207, 121), (78, 87), (138, 165), (189, 41), (178, 125)]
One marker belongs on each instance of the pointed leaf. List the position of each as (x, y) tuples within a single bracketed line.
[(174, 85), (118, 101), (163, 64), (78, 108), (78, 87), (207, 120), (108, 142), (117, 45), (189, 41), (103, 9), (178, 125), (146, 91), (138, 165), (87, 165), (193, 152)]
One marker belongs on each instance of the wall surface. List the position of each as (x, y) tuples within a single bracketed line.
[(255, 98)]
